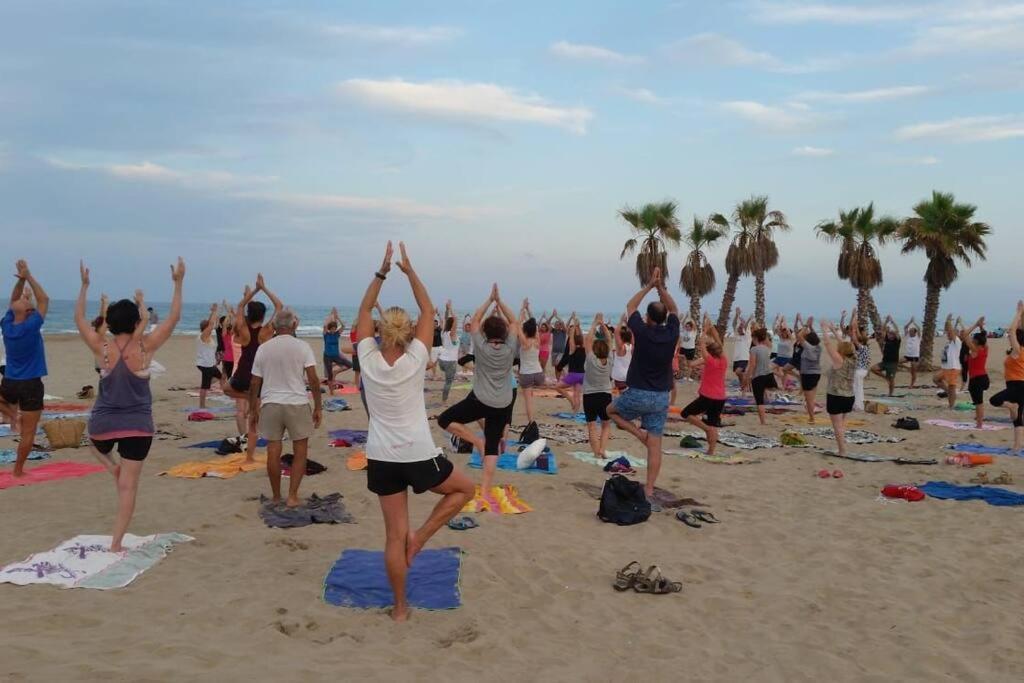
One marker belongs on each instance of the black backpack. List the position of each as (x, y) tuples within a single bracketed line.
[(623, 502), (910, 423), (530, 434)]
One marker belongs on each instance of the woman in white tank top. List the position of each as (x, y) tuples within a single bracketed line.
[(623, 355)]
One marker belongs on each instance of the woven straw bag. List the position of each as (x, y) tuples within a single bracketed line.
[(64, 433)]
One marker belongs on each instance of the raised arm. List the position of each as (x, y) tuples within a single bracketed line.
[(967, 335), (242, 335), (828, 339), (155, 339), (1012, 332), (478, 315), (736, 321), (364, 321), (633, 304), (91, 338), (25, 277), (267, 331), (950, 330), (711, 331), (425, 322), (588, 341), (665, 296), (211, 324), (513, 323), (140, 303)]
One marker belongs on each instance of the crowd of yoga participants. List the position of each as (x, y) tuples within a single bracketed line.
[(623, 370)]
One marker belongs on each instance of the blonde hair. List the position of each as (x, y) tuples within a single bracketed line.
[(395, 328), (845, 349)]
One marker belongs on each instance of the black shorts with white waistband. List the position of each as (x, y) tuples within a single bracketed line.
[(388, 478)]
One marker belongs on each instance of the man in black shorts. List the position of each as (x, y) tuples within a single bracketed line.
[(22, 385)]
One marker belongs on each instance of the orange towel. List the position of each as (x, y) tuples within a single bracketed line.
[(356, 461), (221, 468)]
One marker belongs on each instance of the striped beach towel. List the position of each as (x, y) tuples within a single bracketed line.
[(503, 500)]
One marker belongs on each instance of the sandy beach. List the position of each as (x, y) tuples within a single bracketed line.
[(804, 579)]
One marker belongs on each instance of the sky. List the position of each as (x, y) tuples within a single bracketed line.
[(499, 140)]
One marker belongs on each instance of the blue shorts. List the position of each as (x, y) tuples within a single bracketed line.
[(780, 361), (650, 407)]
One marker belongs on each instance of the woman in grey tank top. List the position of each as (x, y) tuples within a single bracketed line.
[(123, 414), (597, 385), (759, 373)]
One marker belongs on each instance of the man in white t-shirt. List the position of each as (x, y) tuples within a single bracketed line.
[(278, 401), (948, 378), (400, 450), (742, 341)]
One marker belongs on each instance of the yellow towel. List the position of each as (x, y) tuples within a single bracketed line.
[(503, 500), (221, 468)]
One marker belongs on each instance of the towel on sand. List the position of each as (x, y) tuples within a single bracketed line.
[(966, 426), (864, 457), (358, 579), (990, 494), (357, 462), (334, 405), (853, 436), (591, 459), (580, 418), (717, 459), (667, 499), (219, 410), (220, 468), (314, 510), (503, 500), (216, 444), (9, 455), (747, 442), (559, 433), (820, 418), (49, 472), (86, 562), (66, 407), (982, 448), (545, 464), (353, 436)]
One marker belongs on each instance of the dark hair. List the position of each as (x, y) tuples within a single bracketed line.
[(332, 326), (530, 328), (626, 334), (97, 322), (657, 312), (203, 324), (123, 317), (760, 334), (981, 338), (1020, 336), (600, 348), (577, 338), (812, 338), (149, 308), (220, 320), (255, 311), (449, 324), (495, 328)]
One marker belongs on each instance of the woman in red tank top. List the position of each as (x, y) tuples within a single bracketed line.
[(977, 370)]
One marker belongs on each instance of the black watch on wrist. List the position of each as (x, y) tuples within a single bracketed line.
[(381, 275)]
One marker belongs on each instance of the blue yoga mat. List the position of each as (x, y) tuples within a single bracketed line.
[(990, 494), (982, 448), (508, 461), (350, 435), (358, 579), (575, 417), (213, 444)]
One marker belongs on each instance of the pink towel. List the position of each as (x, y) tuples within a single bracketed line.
[(49, 472)]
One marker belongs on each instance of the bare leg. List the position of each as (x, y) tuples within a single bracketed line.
[(839, 427), (252, 436), (712, 433), (274, 469), (761, 414), (625, 425), (487, 480), (456, 491), (27, 430), (653, 462), (979, 415), (1018, 438), (127, 488), (10, 412), (300, 449), (577, 398), (396, 527), (606, 428), (202, 399), (595, 444), (951, 395), (809, 397), (241, 414), (913, 374), (466, 434), (528, 398)]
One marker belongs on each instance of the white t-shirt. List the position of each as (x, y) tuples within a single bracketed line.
[(688, 338), (741, 346), (206, 352), (912, 346), (449, 348), (281, 362), (620, 364), (399, 431), (951, 354)]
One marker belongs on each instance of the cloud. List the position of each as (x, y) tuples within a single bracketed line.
[(147, 171), (768, 117), (461, 101), (640, 95), (719, 50), (592, 53), (874, 95), (966, 129), (808, 151), (409, 36), (812, 12), (957, 38), (394, 207)]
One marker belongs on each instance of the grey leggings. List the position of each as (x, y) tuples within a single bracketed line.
[(448, 367)]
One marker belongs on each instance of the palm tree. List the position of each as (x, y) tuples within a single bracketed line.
[(697, 278), (759, 254), (655, 228), (858, 232), (946, 233)]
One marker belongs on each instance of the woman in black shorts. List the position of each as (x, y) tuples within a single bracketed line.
[(840, 396), (808, 346), (597, 385), (711, 396)]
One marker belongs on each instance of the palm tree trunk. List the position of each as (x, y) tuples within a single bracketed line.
[(931, 312), (759, 299), (862, 308), (695, 311), (728, 299), (876, 319)]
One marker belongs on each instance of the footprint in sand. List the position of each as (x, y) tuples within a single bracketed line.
[(466, 633), (290, 543), (286, 629)]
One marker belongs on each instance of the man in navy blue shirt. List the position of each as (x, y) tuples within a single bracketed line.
[(22, 385), (649, 380)]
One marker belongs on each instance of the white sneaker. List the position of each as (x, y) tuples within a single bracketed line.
[(529, 455)]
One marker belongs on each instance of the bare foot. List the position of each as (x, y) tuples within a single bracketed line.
[(400, 615), (18, 472), (293, 502), (249, 460), (412, 546), (116, 548)]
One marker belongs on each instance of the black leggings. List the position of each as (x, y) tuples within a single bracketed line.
[(469, 410), (1013, 393)]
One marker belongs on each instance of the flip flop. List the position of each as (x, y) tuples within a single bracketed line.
[(653, 582), (462, 523), (687, 519), (625, 577), (838, 474), (704, 516), (824, 474)]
